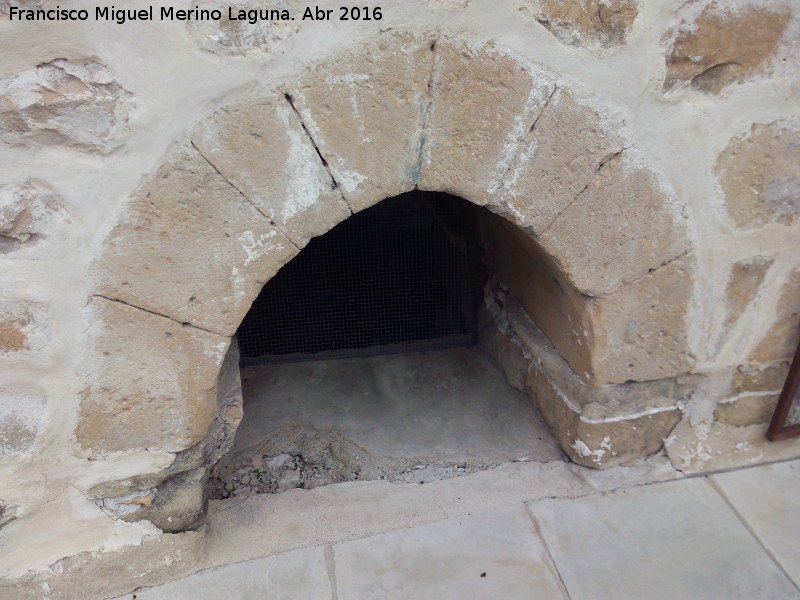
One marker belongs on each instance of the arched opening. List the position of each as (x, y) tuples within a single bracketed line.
[(370, 355)]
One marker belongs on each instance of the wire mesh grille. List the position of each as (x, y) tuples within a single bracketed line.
[(391, 278)]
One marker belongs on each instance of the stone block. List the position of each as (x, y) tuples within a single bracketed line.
[(619, 228), (586, 22), (261, 147), (22, 327), (21, 417), (760, 174), (753, 394), (780, 341), (150, 383), (743, 285), (483, 104), (561, 154), (191, 247), (64, 102), (27, 214), (638, 333), (364, 109), (596, 427), (723, 45)]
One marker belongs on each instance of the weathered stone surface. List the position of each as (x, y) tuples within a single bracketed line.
[(261, 148), (554, 305), (191, 247), (483, 104), (585, 22), (754, 392), (639, 332), (22, 327), (179, 504), (760, 175), (596, 427), (21, 417), (216, 443), (562, 153), (781, 340), (64, 102), (618, 229), (170, 404), (365, 112), (241, 36), (27, 211), (723, 45), (745, 280)]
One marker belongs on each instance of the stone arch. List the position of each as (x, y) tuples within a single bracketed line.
[(272, 168)]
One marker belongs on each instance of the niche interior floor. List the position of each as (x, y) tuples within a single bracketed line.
[(402, 417)]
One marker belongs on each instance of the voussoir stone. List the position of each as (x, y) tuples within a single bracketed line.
[(171, 402), (191, 247), (563, 151), (64, 102), (638, 333), (483, 103), (622, 226), (782, 338), (261, 148), (585, 22), (723, 45), (365, 110), (760, 175)]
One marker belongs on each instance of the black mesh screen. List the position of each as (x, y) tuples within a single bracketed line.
[(394, 277)]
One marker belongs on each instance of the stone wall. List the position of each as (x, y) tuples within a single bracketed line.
[(156, 174)]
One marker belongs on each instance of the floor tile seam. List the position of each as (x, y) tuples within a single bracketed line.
[(549, 558), (746, 524), (330, 566)]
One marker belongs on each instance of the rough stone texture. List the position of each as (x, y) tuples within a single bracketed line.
[(161, 497), (754, 392), (240, 36), (760, 175), (22, 327), (261, 148), (639, 331), (596, 427), (365, 111), (780, 341), (483, 104), (616, 230), (585, 22), (21, 417), (191, 247), (724, 45), (27, 211), (64, 102), (744, 283), (169, 404), (561, 154)]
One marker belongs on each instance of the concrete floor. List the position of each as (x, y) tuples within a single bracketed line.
[(418, 416), (731, 535)]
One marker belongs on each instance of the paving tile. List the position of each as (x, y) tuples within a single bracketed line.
[(670, 540), (295, 575), (488, 555), (768, 498)]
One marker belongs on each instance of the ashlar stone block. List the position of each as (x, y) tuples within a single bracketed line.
[(150, 384), (191, 247), (619, 228), (483, 104), (760, 175), (365, 111), (260, 146), (558, 159)]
